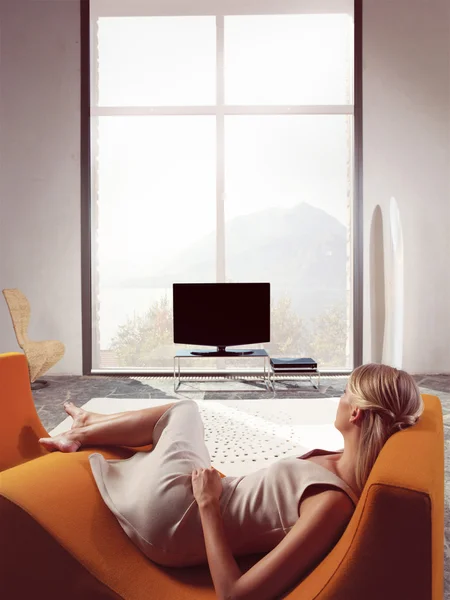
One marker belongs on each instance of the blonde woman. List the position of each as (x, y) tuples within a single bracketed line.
[(179, 511)]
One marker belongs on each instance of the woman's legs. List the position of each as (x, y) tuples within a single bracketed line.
[(132, 428), (83, 417)]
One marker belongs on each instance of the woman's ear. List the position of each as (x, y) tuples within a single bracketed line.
[(357, 415)]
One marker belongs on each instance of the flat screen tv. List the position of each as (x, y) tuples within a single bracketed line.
[(221, 315)]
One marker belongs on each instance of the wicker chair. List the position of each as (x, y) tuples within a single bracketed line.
[(41, 356)]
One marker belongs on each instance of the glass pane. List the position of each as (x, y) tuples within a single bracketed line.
[(288, 212), (154, 196), (289, 59), (156, 61)]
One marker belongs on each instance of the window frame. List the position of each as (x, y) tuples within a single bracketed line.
[(90, 108)]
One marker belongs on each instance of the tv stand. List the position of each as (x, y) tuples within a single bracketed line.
[(222, 353)]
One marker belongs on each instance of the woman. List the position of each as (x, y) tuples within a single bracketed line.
[(180, 512)]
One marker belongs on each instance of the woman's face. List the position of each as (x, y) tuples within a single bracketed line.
[(344, 410)]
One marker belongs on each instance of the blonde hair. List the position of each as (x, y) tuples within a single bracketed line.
[(390, 401)]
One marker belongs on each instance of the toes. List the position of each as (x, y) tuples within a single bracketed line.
[(49, 444), (70, 408), (60, 443), (67, 446)]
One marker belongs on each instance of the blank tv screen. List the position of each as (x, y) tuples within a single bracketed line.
[(221, 314)]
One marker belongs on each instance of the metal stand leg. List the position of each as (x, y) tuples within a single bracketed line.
[(272, 379), (176, 374), (318, 380), (270, 387), (174, 378)]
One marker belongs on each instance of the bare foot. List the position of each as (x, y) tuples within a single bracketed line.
[(80, 417), (63, 442)]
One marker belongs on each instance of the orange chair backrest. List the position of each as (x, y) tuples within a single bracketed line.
[(20, 426)]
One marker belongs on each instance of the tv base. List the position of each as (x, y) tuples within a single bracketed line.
[(222, 351)]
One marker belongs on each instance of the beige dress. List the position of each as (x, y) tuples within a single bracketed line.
[(151, 493)]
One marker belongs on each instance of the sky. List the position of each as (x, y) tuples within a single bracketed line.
[(156, 175)]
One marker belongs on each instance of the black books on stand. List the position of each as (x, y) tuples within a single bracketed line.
[(294, 364)]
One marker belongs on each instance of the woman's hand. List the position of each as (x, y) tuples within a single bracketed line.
[(206, 485)]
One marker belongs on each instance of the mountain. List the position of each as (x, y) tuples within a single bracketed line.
[(301, 251)]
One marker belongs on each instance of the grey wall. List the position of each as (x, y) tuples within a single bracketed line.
[(406, 152), (40, 170), (406, 85)]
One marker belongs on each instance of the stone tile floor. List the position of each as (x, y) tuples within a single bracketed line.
[(49, 400)]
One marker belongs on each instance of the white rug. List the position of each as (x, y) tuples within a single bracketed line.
[(245, 435)]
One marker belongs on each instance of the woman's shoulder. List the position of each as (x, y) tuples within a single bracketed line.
[(321, 452), (317, 503)]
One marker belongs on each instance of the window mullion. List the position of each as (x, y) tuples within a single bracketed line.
[(221, 109), (220, 152)]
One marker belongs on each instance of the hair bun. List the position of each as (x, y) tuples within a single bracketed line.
[(403, 423), (398, 426)]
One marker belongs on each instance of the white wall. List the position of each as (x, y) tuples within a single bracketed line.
[(40, 170), (406, 86), (406, 155)]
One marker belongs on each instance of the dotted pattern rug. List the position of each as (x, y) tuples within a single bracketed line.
[(245, 435)]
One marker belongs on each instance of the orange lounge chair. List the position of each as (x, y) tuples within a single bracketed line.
[(59, 540)]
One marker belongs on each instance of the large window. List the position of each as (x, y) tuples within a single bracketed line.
[(222, 149)]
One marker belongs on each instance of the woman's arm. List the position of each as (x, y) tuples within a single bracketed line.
[(207, 488), (224, 569), (313, 536)]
